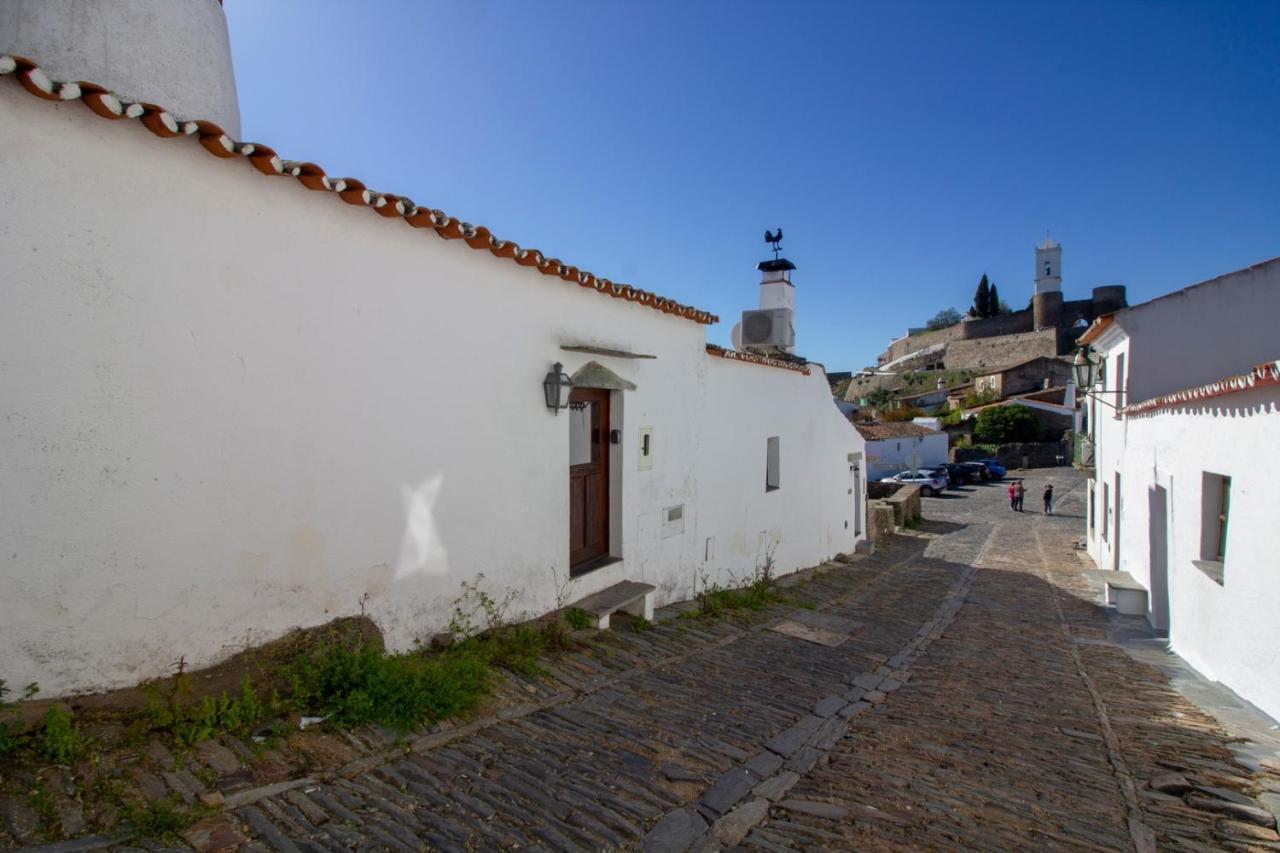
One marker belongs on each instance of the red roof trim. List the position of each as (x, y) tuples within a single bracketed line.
[(213, 139), (1263, 375)]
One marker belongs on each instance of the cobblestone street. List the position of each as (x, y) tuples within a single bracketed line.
[(978, 703)]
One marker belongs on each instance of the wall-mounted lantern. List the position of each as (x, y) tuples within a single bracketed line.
[(1085, 365), (557, 386)]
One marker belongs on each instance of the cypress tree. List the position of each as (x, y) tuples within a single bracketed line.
[(982, 299), (993, 301)]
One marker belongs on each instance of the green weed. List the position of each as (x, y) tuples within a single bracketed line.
[(11, 737), (59, 739), (160, 819), (639, 624), (578, 618), (41, 800), (367, 685)]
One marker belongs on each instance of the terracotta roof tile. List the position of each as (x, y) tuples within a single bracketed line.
[(892, 429), (214, 140)]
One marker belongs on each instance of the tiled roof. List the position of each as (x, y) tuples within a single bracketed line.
[(1263, 375), (1096, 328), (351, 190), (892, 429), (752, 358)]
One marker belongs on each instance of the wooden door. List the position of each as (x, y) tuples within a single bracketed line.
[(588, 477)]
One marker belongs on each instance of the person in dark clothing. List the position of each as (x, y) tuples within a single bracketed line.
[(1048, 498)]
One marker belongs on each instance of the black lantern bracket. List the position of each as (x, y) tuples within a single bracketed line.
[(557, 386)]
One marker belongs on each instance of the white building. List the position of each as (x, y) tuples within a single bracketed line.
[(1185, 428), (896, 446), (241, 395)]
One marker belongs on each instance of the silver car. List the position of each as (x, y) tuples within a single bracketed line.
[(930, 482)]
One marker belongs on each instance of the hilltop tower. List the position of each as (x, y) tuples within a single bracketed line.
[(1047, 302), (173, 53)]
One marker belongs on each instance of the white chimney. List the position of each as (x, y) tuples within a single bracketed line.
[(173, 53)]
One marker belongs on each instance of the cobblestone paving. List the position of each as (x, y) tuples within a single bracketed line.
[(978, 703)]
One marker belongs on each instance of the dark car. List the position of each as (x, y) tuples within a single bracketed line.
[(997, 470), (958, 473), (977, 471)]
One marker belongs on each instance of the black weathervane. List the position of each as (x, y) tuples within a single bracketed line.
[(775, 239)]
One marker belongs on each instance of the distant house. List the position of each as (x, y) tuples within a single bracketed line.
[(1030, 375), (1055, 408), (894, 447)]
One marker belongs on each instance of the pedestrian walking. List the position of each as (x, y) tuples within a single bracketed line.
[(1019, 492), (1048, 498), (1013, 496)]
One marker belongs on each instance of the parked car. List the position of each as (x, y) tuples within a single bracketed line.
[(995, 468), (930, 482), (941, 471), (977, 471), (958, 474)]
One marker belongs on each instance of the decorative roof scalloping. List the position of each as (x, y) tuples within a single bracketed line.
[(752, 358), (1267, 373), (213, 139)]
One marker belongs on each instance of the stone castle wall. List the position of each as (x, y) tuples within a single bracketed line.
[(1002, 351), (1016, 323)]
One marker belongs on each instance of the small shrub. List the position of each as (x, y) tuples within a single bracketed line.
[(639, 624), (59, 739), (367, 685)]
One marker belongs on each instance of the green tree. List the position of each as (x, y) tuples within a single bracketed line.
[(1005, 424), (944, 318), (993, 302), (982, 298)]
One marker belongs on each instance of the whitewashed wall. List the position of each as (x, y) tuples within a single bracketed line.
[(231, 406), (1228, 632), (1194, 336)]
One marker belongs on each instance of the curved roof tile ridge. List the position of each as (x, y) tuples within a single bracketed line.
[(165, 125)]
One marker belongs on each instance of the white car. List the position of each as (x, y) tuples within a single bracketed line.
[(930, 482)]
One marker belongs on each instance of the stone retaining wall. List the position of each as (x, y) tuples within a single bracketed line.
[(905, 503), (880, 526)]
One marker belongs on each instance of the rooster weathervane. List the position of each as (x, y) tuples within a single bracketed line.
[(775, 240)]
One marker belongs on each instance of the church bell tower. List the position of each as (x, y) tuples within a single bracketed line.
[(1047, 302)]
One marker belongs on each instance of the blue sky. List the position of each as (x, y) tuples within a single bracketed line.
[(905, 148)]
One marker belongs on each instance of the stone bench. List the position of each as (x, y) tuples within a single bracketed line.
[(628, 596), (1124, 591)]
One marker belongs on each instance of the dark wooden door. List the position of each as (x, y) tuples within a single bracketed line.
[(588, 477)]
